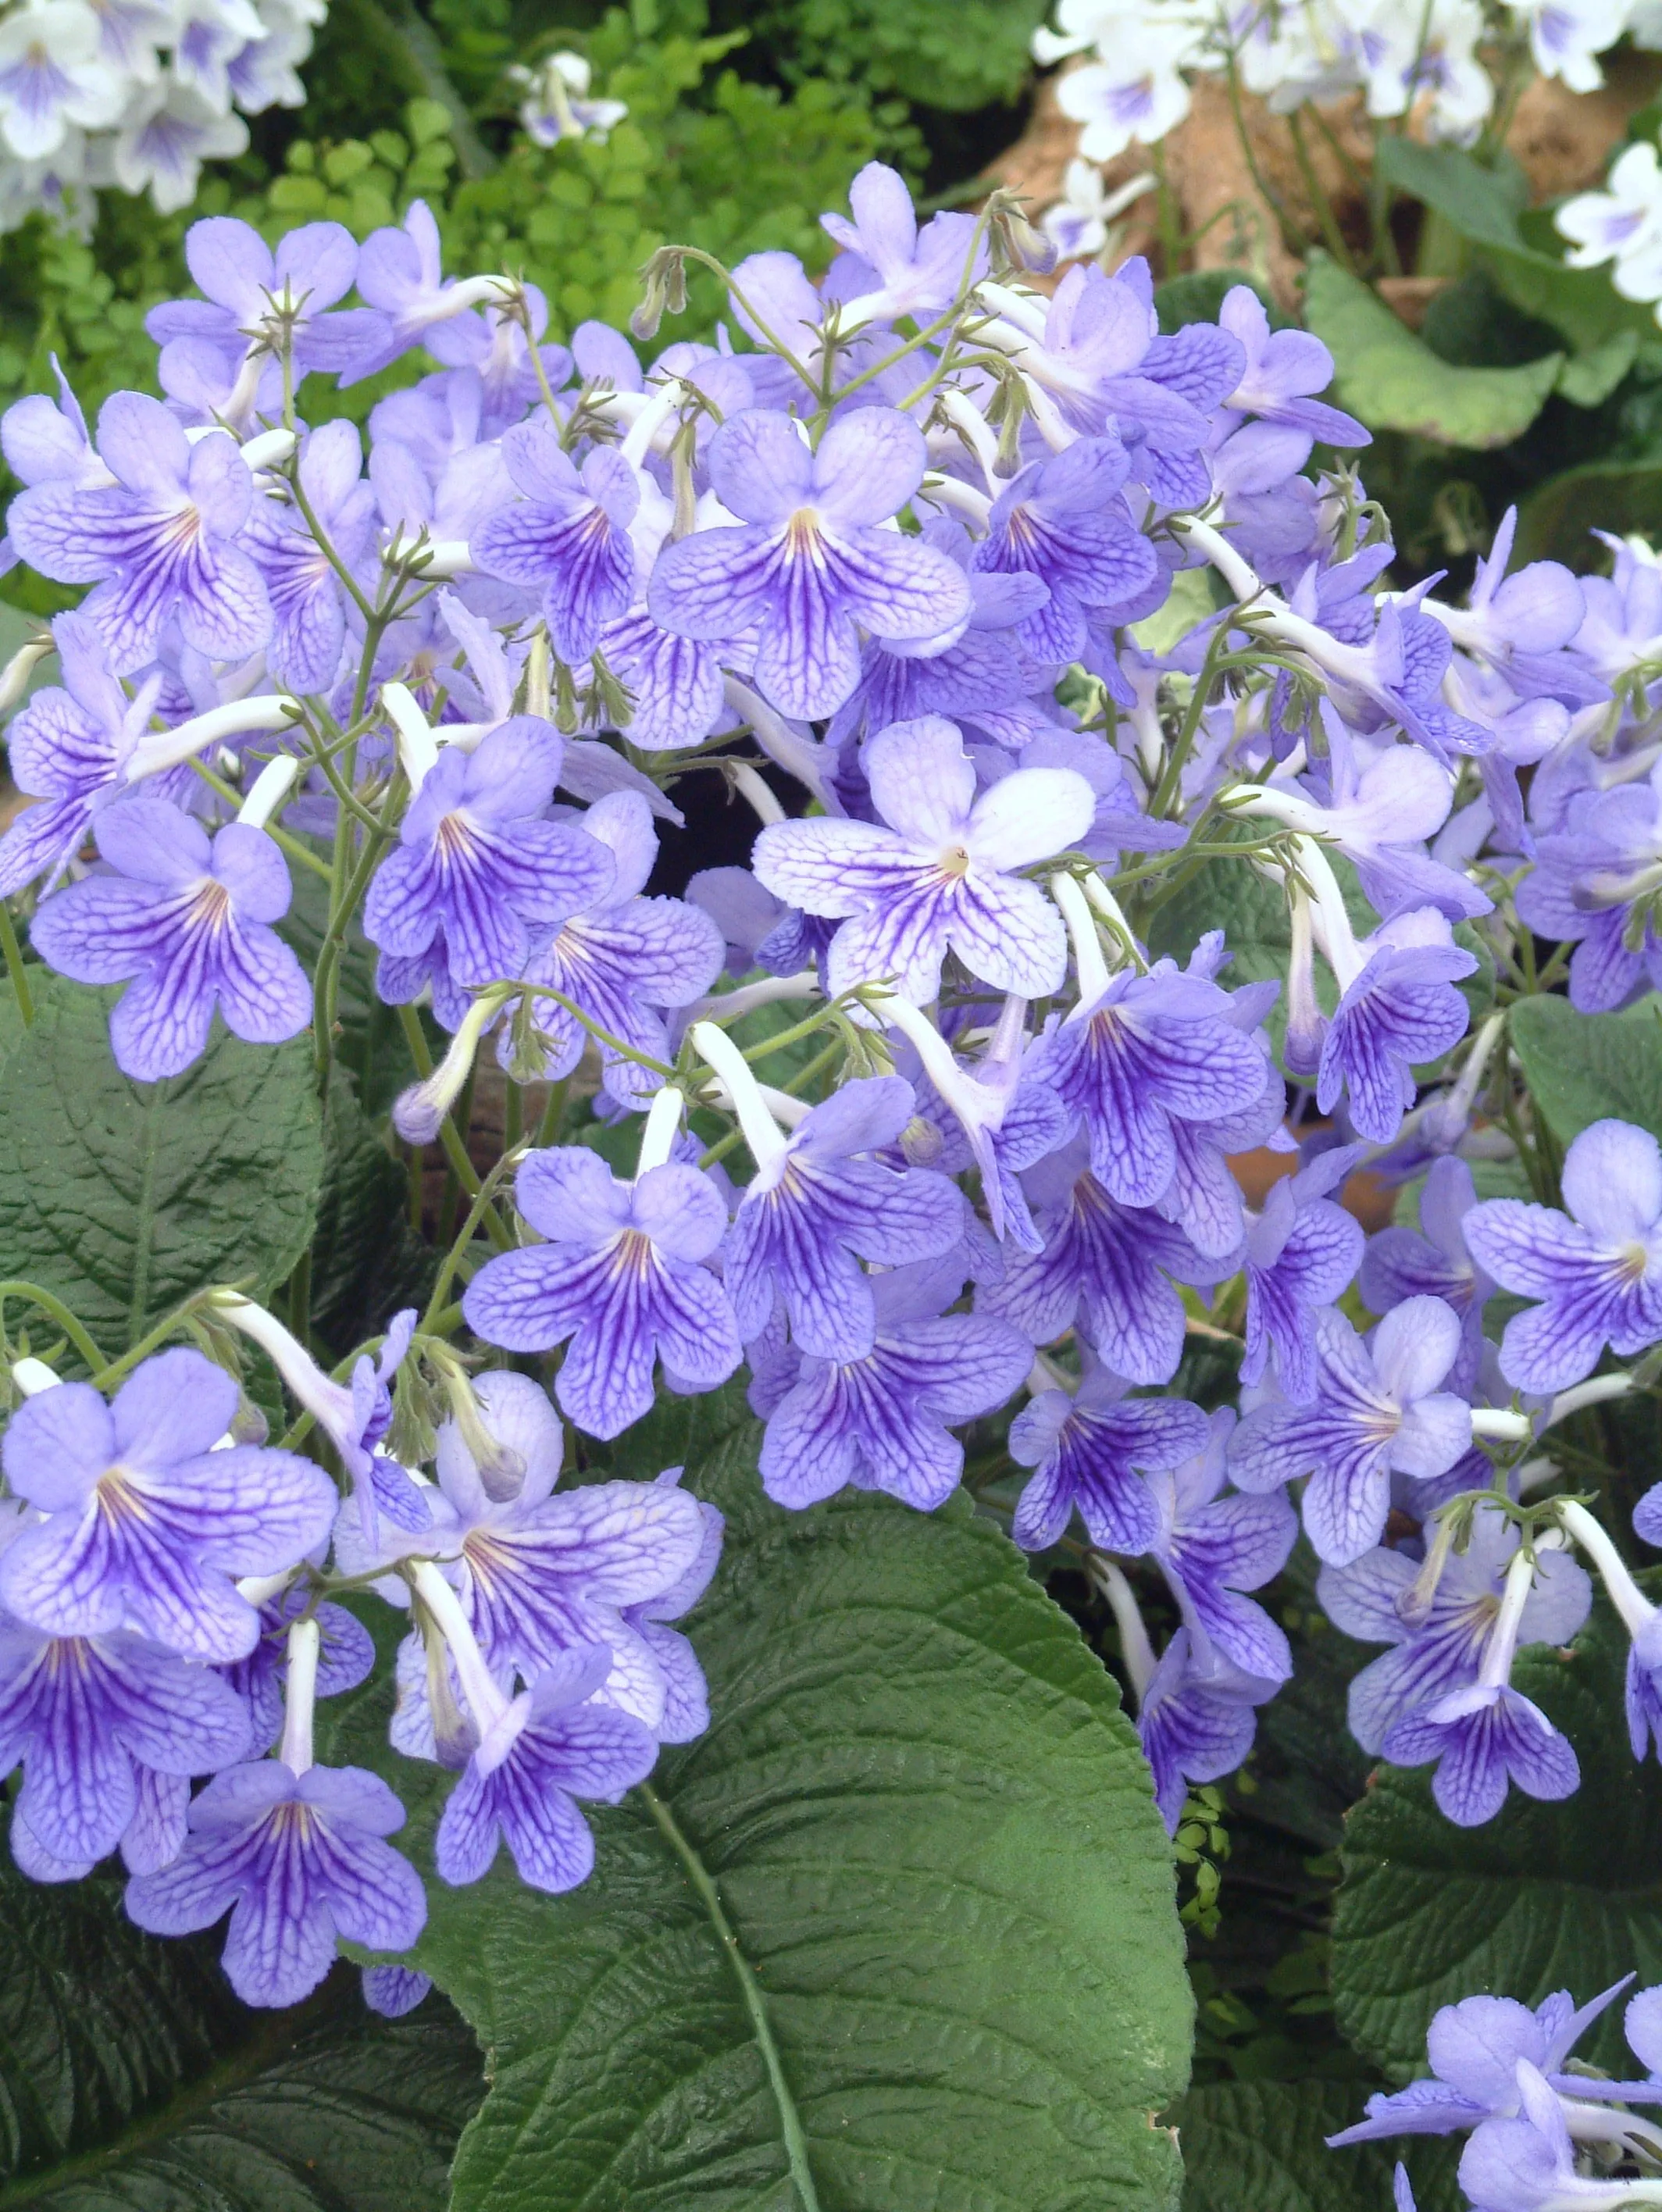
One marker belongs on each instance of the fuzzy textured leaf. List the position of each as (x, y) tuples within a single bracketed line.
[(1259, 2146), (123, 1198), (1582, 1068), (132, 2080), (930, 1829), (1394, 381), (1546, 1897)]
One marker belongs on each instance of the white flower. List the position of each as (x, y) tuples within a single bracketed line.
[(1565, 37), (212, 36), (165, 138), (52, 75), (130, 34), (1080, 24), (1623, 223), (1135, 88), (1078, 224), (558, 107), (266, 73), (1407, 54), (54, 184)]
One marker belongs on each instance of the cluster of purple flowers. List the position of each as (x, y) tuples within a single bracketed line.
[(1544, 2130), (901, 548)]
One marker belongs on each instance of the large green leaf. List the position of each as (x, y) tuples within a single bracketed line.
[(1259, 2146), (1486, 207), (900, 1931), (366, 1260), (132, 2080), (123, 1198), (1582, 1068), (1555, 522), (1394, 381), (1546, 1897)]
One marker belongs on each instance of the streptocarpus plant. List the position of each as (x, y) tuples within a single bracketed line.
[(892, 559)]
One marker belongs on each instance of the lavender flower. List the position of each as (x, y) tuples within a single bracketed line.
[(145, 1522), (1598, 1275), (1090, 1452), (1377, 1409), (158, 544), (1212, 1549), (808, 558), (882, 1422), (1399, 1009), (94, 1720), (520, 1786), (256, 298), (568, 537), (300, 1860), (1197, 1723), (1063, 521), (186, 925), (816, 1200), (1300, 1255), (1434, 1262), (68, 749), (620, 1274), (1146, 1052), (1438, 1616), (889, 268), (930, 876), (308, 600), (622, 958), (476, 859), (1106, 1267)]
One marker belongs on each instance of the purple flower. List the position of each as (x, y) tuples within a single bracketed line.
[(1591, 886), (1281, 371), (187, 924), (621, 957), (1482, 1737), (346, 1659), (1440, 1629), (1401, 1010), (308, 600), (520, 1785), (675, 686), (1301, 1253), (1599, 1275), (145, 1522), (568, 537), (1475, 2048), (686, 1713), (158, 544), (1211, 1549), (1196, 1723), (881, 1422), (1528, 2164), (1150, 1051), (817, 1203), (1377, 1410), (401, 275), (95, 1720), (1107, 1268), (541, 1574), (252, 292), (931, 876), (1434, 1262), (476, 859), (300, 1860), (887, 266), (1090, 1452), (808, 559), (622, 1275), (1062, 520), (393, 1991), (68, 748)]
